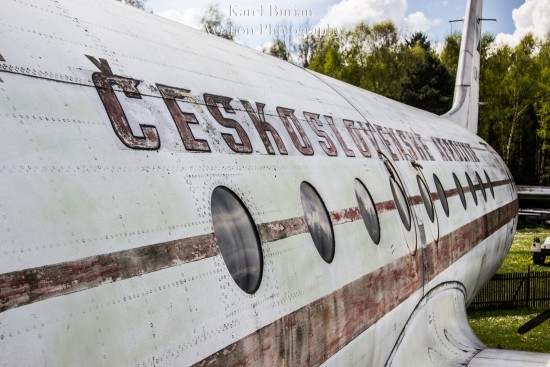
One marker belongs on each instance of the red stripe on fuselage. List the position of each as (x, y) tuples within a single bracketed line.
[(32, 285), (317, 331)]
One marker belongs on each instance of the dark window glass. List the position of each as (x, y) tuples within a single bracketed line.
[(426, 197), (460, 191), (472, 188), (442, 195), (401, 203), (481, 187), (490, 184), (237, 239), (368, 211), (318, 221)]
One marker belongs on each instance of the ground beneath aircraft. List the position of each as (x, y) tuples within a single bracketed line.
[(498, 328)]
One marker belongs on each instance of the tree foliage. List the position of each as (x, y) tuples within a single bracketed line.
[(135, 3), (279, 49), (370, 57), (449, 54), (428, 85), (514, 115), (214, 22)]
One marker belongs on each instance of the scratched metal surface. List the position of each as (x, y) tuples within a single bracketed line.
[(118, 125)]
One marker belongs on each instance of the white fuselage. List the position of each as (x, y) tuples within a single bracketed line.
[(118, 126)]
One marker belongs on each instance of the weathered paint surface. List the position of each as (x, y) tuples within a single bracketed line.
[(314, 333), (32, 285), (113, 141)]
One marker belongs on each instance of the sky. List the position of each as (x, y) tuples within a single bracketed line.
[(257, 22)]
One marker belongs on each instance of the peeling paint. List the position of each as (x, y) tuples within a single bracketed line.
[(333, 321)]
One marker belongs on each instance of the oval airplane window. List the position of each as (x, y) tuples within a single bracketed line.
[(426, 198), (237, 239), (401, 203), (481, 187), (442, 195), (318, 221), (472, 188), (368, 211), (460, 191), (490, 184)]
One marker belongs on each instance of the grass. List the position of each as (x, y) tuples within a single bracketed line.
[(498, 328), (519, 257)]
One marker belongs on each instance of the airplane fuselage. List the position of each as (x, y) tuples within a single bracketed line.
[(172, 198)]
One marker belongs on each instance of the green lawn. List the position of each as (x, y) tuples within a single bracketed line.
[(498, 328), (519, 257)]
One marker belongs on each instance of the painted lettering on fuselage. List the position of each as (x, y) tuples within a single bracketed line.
[(278, 131)]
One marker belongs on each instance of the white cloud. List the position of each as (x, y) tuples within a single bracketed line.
[(190, 17), (438, 47), (532, 16), (266, 46), (347, 13), (418, 22)]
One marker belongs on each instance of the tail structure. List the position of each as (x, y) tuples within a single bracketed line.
[(464, 111)]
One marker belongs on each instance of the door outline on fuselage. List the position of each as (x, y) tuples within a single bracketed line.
[(409, 235)]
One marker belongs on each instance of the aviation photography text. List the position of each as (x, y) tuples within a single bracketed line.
[(273, 21)]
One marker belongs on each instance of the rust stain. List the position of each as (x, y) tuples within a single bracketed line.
[(345, 215), (101, 64), (258, 118), (292, 125), (385, 206), (451, 192), (501, 183), (415, 200), (182, 119), (281, 229), (314, 333), (327, 145), (347, 150), (212, 103), (31, 285), (104, 86)]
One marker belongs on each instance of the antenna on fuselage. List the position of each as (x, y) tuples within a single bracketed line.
[(464, 111)]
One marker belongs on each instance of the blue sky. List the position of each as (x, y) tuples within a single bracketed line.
[(260, 20)]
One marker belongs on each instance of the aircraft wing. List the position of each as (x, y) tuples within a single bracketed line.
[(533, 192)]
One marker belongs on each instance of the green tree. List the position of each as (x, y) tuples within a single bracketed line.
[(371, 57), (521, 86), (306, 48), (135, 3), (214, 22), (451, 51), (429, 85), (386, 59), (512, 118), (279, 49), (492, 126), (542, 108), (419, 39), (283, 43), (327, 58)]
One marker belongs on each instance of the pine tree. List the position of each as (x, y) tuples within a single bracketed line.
[(429, 85)]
